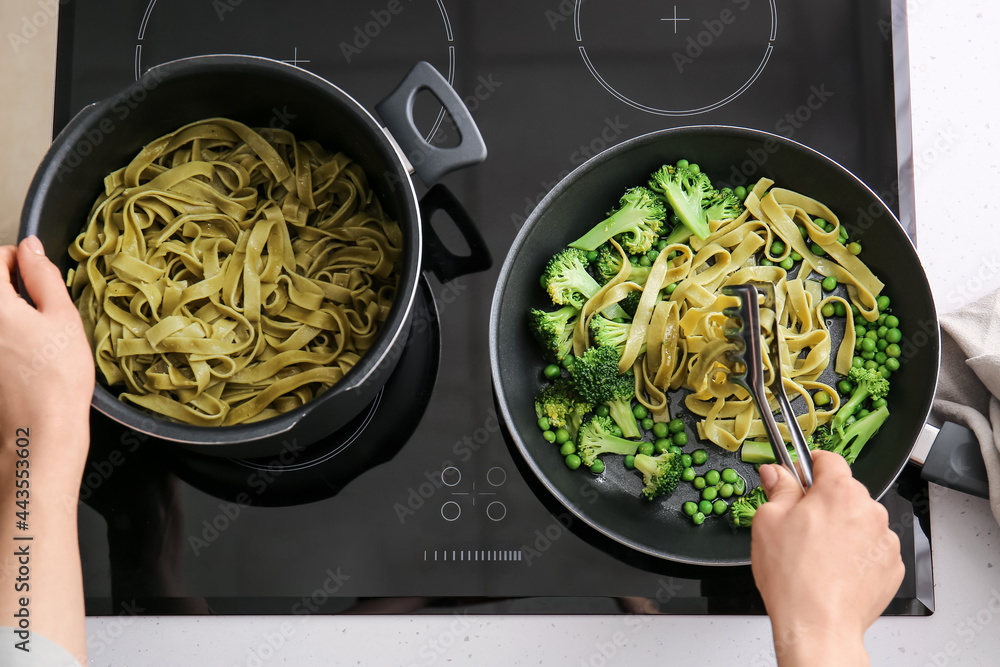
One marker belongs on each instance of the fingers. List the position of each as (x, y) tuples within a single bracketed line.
[(779, 484), (829, 465), (8, 262), (41, 278)]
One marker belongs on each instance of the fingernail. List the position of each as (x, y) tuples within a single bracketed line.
[(34, 245), (768, 476)]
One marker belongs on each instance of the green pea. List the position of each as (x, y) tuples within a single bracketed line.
[(882, 302), (675, 425), (862, 413), (652, 253), (858, 362), (871, 365), (854, 248), (892, 364), (884, 372), (674, 220), (881, 319), (712, 477), (671, 287), (894, 335), (860, 321), (646, 423), (764, 261), (568, 361), (698, 483), (740, 192), (686, 460), (699, 456), (709, 493), (682, 163), (857, 344), (562, 436), (720, 507), (854, 310), (568, 448), (543, 423), (867, 344), (662, 245), (803, 232), (821, 398), (573, 462), (592, 256), (662, 445), (705, 506), (640, 411), (796, 257), (817, 250), (881, 331), (893, 350), (891, 321), (726, 490), (660, 429), (740, 486), (549, 436), (602, 411), (828, 310), (630, 462), (688, 474), (689, 508), (839, 309), (672, 254), (695, 169), (880, 403), (698, 518), (881, 344), (680, 438), (644, 261), (829, 283), (845, 386), (871, 335), (552, 371), (880, 357), (787, 264), (859, 331), (616, 430), (598, 467), (647, 449), (820, 222), (729, 476), (777, 248)]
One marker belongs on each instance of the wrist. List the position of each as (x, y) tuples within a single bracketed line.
[(798, 643)]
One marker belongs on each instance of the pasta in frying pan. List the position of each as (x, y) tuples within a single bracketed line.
[(228, 275)]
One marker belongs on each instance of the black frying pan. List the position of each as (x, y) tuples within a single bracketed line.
[(609, 502)]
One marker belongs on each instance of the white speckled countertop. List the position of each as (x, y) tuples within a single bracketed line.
[(953, 61)]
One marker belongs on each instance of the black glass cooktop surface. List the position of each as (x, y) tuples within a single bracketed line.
[(418, 505)]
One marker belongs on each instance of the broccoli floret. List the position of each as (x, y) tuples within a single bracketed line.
[(849, 444), (724, 206), (609, 263), (562, 406), (596, 437), (554, 330), (609, 332), (687, 193), (823, 438), (637, 222), (568, 283), (630, 303), (867, 383), (595, 377), (743, 509), (660, 474)]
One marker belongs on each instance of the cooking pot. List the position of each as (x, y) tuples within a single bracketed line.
[(261, 92)]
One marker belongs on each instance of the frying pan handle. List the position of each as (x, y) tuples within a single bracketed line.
[(431, 162), (954, 460), (445, 264)]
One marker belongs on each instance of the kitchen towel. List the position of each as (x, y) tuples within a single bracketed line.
[(969, 384)]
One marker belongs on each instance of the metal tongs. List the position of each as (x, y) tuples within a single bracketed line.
[(749, 356)]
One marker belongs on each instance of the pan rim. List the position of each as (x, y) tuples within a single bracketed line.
[(517, 246)]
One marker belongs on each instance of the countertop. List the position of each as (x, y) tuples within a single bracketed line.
[(953, 57)]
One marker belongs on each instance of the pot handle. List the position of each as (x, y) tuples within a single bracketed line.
[(445, 264), (952, 458), (431, 162)]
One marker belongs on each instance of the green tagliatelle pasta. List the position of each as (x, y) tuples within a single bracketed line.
[(228, 275)]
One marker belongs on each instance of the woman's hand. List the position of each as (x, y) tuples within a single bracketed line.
[(46, 366), (826, 563)]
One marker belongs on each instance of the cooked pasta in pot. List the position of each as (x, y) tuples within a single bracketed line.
[(228, 275)]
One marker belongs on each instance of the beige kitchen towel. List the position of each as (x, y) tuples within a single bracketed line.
[(969, 386)]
